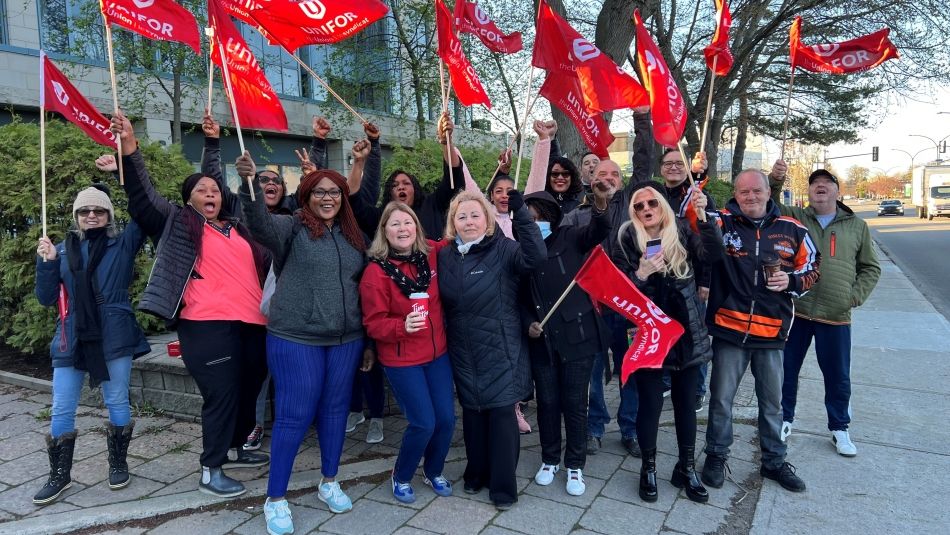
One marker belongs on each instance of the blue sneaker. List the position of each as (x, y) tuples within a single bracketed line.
[(278, 517), (440, 485), (403, 491), (331, 494)]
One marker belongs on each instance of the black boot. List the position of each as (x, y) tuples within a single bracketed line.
[(118, 438), (60, 464), (215, 482), (685, 476), (648, 476)]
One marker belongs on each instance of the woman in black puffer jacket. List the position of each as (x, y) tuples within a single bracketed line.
[(667, 277), (478, 278)]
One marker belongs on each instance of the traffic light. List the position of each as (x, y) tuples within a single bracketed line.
[(874, 153)]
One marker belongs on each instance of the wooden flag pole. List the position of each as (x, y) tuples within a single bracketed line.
[(43, 146), (446, 91), (712, 84), (558, 303), (234, 112), (328, 88), (115, 93), (788, 108), (689, 176), (209, 31), (527, 110), (512, 142)]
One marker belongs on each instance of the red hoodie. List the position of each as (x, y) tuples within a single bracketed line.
[(384, 314)]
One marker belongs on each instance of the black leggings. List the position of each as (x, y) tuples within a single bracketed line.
[(683, 394)]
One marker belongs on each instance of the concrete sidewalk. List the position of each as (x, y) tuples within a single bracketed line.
[(900, 385)]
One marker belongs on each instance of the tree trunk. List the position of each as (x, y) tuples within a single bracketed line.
[(176, 107), (420, 106), (742, 130)]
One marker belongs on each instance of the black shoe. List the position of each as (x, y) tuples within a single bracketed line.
[(60, 452), (118, 438), (648, 491), (630, 444), (785, 475), (241, 458), (593, 445), (714, 471), (700, 398), (470, 488), (504, 506), (685, 476), (216, 483)]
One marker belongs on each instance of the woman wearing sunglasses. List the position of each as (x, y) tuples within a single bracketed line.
[(666, 274), (556, 175)]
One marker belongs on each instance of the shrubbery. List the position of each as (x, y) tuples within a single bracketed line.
[(25, 324)]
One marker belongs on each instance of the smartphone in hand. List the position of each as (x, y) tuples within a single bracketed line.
[(653, 247)]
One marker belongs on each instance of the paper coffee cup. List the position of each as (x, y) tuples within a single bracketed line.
[(420, 304)]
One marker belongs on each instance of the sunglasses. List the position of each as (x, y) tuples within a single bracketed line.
[(99, 212), (642, 205), (561, 173), (267, 179), (321, 193)]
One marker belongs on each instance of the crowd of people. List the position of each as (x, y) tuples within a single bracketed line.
[(454, 296)]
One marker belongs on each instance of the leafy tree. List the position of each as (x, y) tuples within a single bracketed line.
[(24, 323), (858, 173)]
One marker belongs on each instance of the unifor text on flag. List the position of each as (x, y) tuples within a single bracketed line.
[(846, 57), (471, 18), (656, 332), (58, 94), (163, 20), (666, 102), (316, 22), (468, 88), (564, 92)]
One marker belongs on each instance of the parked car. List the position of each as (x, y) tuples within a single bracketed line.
[(890, 207)]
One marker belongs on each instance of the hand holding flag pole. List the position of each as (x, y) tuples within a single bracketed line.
[(115, 93), (689, 175)]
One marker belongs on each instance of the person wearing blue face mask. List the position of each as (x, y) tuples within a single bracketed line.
[(562, 353)]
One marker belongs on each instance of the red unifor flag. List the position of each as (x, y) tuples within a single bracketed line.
[(656, 332), (666, 101), (564, 92), (468, 88), (58, 94), (847, 57), (604, 85), (241, 9), (718, 49), (156, 19), (687, 209), (316, 22), (254, 99), (470, 18)]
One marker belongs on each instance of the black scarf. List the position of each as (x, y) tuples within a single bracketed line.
[(406, 285), (88, 355)]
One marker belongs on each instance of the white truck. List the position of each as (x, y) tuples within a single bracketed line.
[(931, 190)]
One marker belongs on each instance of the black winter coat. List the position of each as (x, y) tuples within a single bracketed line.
[(479, 292), (677, 297)]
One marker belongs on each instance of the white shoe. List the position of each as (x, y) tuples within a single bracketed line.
[(786, 431), (842, 441), (545, 475), (354, 419), (575, 482)]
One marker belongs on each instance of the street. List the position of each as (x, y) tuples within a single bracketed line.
[(917, 246)]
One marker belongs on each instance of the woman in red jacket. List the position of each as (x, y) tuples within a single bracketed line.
[(403, 313)]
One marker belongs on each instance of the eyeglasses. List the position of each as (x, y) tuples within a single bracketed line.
[(323, 193), (267, 179), (99, 212), (672, 164), (560, 173), (641, 206)]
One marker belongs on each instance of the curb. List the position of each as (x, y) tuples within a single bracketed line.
[(16, 379)]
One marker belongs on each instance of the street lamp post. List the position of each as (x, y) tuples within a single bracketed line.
[(913, 157)]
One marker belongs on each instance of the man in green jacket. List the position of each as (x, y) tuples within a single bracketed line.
[(849, 271)]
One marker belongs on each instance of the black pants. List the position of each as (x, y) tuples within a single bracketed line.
[(561, 390), (682, 394), (370, 385), (228, 362), (492, 445)]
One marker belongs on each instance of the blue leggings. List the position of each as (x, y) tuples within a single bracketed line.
[(67, 386), (312, 385)]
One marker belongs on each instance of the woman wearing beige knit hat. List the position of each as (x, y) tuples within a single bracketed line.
[(88, 276)]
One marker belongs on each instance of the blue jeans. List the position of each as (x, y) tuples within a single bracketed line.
[(598, 416), (833, 349), (729, 365), (312, 386), (424, 393), (67, 386)]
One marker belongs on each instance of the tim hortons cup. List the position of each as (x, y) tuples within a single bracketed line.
[(420, 303)]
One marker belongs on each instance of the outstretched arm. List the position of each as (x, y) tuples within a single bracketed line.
[(146, 205)]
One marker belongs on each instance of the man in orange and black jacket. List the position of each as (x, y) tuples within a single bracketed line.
[(768, 260)]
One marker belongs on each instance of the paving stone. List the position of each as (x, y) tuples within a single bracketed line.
[(354, 490), (10, 396), (96, 468), (611, 517), (528, 464), (147, 425), (207, 522), (57, 507), (20, 406), (532, 512), (187, 483), (370, 518), (454, 515), (406, 530), (384, 493), (21, 445), (154, 445), (306, 519), (42, 398), (625, 487), (495, 530), (602, 465), (556, 491), (168, 468), (19, 499), (25, 468), (695, 518), (186, 428), (89, 444), (18, 424), (101, 494)]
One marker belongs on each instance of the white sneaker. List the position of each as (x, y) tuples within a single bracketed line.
[(353, 420), (278, 518), (786, 431), (374, 435), (575, 482), (842, 441), (545, 475)]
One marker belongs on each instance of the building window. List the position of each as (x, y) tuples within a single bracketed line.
[(71, 27), (281, 70)]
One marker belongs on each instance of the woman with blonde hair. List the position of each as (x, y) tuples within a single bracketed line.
[(479, 274), (667, 276), (402, 311)]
